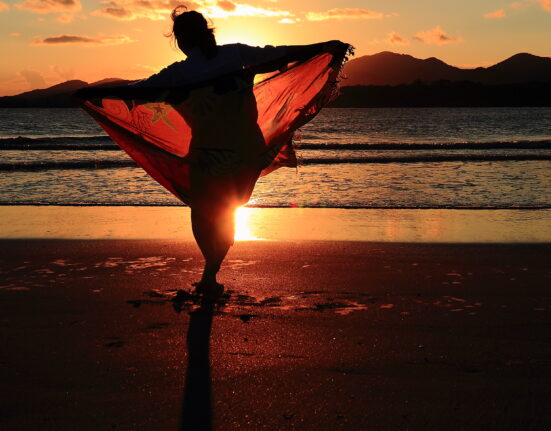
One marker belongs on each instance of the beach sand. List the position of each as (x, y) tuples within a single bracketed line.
[(315, 335)]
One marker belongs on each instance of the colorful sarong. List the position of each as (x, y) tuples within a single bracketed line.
[(210, 141)]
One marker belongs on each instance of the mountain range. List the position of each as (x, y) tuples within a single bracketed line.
[(382, 69), (388, 68)]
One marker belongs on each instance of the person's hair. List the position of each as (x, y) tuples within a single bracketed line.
[(192, 29)]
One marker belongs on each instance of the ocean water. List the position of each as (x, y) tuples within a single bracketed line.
[(352, 158)]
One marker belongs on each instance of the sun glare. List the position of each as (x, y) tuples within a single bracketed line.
[(242, 227), (227, 36)]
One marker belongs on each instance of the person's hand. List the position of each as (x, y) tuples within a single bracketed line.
[(336, 47)]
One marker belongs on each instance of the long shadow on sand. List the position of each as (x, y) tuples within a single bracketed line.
[(196, 407)]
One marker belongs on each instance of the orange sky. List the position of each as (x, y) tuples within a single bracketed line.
[(44, 42)]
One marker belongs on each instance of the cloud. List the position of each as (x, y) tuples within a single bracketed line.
[(33, 78), (289, 20), (50, 6), (500, 13), (436, 36), (15, 34), (244, 10), (545, 4), (344, 14), (240, 9), (119, 12), (129, 10), (395, 39), (3, 6), (227, 5), (70, 39)]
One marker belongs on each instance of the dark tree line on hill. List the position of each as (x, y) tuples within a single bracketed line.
[(417, 94), (445, 93)]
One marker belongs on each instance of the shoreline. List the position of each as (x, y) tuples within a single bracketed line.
[(294, 207), (282, 224)]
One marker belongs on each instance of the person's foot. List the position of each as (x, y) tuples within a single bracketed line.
[(210, 289)]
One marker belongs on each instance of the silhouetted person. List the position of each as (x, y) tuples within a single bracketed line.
[(227, 151)]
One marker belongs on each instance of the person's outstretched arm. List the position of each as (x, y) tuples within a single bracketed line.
[(271, 59), (305, 52)]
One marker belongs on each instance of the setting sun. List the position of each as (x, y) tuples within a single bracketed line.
[(242, 226), (251, 37)]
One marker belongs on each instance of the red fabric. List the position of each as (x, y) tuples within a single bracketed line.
[(214, 143)]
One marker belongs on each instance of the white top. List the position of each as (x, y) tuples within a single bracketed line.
[(196, 67)]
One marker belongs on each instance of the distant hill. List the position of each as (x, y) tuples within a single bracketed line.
[(518, 68), (57, 96), (107, 82), (385, 69), (388, 68)]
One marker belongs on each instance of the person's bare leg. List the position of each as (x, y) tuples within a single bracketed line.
[(214, 231)]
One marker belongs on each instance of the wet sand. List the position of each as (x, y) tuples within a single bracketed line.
[(283, 224), (314, 336)]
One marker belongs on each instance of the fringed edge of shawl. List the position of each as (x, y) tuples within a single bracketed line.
[(340, 75), (334, 92)]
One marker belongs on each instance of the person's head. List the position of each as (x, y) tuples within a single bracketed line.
[(190, 29)]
